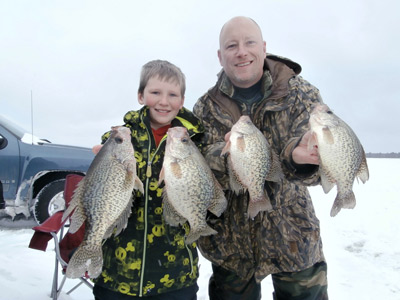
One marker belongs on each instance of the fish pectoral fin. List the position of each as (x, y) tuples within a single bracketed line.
[(171, 216), (138, 185), (241, 144), (327, 136), (176, 169)]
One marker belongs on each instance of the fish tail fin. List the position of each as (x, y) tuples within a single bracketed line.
[(86, 258), (258, 204), (347, 200), (194, 234)]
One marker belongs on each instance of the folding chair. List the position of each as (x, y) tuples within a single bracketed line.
[(65, 242)]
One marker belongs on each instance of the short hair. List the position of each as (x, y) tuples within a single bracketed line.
[(164, 70)]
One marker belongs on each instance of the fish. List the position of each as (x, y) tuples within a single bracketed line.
[(103, 200), (341, 155), (251, 161), (191, 188)]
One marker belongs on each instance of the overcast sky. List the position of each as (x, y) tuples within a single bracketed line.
[(81, 59)]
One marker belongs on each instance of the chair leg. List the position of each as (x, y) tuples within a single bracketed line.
[(54, 287)]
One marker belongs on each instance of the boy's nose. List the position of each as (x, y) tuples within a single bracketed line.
[(164, 100)]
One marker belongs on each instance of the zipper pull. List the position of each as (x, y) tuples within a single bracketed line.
[(148, 170)]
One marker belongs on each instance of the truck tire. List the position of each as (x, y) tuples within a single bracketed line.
[(49, 200)]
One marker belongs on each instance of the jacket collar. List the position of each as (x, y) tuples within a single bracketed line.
[(277, 73)]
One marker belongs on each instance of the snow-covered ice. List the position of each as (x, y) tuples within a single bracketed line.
[(362, 247)]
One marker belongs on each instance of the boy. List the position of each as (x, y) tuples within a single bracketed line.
[(149, 258)]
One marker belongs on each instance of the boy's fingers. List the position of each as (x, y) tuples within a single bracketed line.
[(96, 149)]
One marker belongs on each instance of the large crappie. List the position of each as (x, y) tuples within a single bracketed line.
[(190, 186), (103, 200), (251, 162), (341, 156)]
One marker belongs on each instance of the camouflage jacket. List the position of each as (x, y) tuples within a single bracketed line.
[(286, 239), (149, 257)]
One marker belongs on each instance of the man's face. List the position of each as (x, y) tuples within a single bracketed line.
[(242, 52)]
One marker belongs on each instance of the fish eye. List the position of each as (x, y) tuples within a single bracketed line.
[(118, 140)]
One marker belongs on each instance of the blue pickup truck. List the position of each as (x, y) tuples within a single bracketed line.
[(33, 171)]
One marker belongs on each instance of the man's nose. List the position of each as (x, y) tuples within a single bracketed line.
[(242, 50)]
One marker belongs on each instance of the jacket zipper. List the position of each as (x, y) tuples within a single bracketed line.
[(148, 175)]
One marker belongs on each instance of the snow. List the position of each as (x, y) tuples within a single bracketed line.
[(362, 247)]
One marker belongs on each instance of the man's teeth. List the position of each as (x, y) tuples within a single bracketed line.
[(243, 64)]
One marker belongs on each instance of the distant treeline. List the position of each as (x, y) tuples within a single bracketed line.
[(383, 155)]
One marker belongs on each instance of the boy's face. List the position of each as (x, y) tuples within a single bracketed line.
[(164, 100)]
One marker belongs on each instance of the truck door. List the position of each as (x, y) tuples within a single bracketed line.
[(9, 164)]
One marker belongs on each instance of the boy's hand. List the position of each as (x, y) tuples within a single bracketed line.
[(96, 148)]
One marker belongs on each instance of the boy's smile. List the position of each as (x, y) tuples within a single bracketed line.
[(164, 100)]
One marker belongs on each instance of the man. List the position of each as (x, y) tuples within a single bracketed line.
[(285, 241)]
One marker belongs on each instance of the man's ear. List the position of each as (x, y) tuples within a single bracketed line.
[(219, 56)]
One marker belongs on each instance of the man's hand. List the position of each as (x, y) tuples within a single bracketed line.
[(307, 151)]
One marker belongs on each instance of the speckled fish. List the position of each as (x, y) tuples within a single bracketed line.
[(190, 186), (103, 200), (251, 162), (341, 156)]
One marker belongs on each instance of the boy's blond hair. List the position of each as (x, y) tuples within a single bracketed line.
[(164, 70)]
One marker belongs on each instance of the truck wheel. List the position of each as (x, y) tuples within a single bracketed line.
[(49, 200)]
